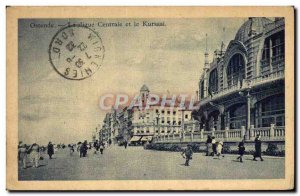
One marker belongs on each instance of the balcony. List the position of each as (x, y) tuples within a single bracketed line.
[(246, 84)]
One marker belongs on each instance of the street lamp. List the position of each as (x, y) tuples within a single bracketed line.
[(247, 95)]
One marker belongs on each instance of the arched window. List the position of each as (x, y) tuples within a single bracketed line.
[(213, 81), (235, 70)]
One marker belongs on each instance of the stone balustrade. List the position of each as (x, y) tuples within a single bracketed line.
[(276, 75), (271, 133)]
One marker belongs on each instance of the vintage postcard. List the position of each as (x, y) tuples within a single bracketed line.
[(150, 98)]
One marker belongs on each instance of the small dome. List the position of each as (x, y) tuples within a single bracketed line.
[(255, 24), (144, 88)]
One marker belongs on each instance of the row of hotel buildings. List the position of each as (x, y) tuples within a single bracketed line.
[(241, 94), (140, 124)]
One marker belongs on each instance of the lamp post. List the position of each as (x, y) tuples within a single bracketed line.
[(248, 96)]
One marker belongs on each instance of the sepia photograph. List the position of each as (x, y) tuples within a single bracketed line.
[(151, 99)]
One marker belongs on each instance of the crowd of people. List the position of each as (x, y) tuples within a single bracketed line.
[(34, 152), (214, 147)]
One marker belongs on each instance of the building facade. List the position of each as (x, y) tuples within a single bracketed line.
[(159, 121), (139, 124), (243, 87)]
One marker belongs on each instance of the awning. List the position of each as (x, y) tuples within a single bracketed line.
[(146, 138), (135, 138)]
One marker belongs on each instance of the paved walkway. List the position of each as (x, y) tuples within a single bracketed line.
[(135, 163)]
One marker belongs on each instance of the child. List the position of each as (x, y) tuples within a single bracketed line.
[(101, 148), (219, 149), (241, 150), (187, 154)]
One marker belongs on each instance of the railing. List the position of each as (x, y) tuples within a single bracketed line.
[(262, 131), (272, 133), (279, 131), (267, 78), (246, 84), (235, 134), (222, 92)]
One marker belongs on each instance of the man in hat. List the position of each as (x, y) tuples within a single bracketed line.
[(187, 154), (50, 150), (257, 148)]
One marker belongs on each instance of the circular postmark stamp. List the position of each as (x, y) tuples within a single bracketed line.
[(76, 52)]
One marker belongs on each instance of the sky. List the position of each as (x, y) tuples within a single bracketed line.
[(169, 58)]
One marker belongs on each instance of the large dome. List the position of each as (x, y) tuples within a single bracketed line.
[(256, 24)]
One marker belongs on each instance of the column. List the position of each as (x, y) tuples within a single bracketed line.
[(213, 131), (226, 132), (271, 55), (219, 122), (194, 127), (243, 132), (272, 132), (252, 136), (248, 113)]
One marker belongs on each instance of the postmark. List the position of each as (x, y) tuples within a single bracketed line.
[(76, 52)]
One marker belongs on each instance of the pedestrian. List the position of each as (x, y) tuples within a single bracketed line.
[(187, 154), (257, 148), (96, 146), (125, 144), (34, 155), (109, 142), (208, 146), (79, 149), (84, 149), (241, 150), (214, 146), (72, 150), (219, 149), (19, 146), (50, 150), (101, 148), (23, 155)]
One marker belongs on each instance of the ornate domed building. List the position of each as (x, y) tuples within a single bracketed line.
[(242, 90)]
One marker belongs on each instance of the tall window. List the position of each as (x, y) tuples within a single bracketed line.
[(213, 81), (265, 61), (273, 51), (272, 111), (237, 116), (278, 51), (235, 70), (202, 89)]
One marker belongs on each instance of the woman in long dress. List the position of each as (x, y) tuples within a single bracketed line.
[(35, 155)]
